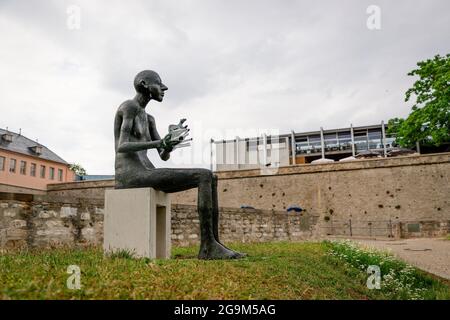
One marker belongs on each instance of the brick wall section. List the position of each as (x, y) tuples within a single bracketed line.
[(41, 223)]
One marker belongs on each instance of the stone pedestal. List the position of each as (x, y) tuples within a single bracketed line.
[(138, 220)]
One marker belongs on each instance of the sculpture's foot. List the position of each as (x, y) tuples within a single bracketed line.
[(215, 251)]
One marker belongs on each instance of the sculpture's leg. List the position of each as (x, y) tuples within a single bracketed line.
[(205, 212), (215, 209), (210, 248), (216, 213)]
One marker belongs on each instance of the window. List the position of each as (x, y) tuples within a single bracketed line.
[(314, 140), (361, 141), (42, 171), (345, 140), (33, 170), (23, 167), (331, 141), (374, 137), (60, 175), (2, 163), (12, 165), (52, 173), (252, 145), (344, 135)]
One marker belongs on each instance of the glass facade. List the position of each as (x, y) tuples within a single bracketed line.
[(375, 139), (331, 142), (364, 139), (360, 139), (345, 140)]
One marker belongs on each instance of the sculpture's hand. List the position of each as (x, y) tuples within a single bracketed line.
[(177, 134), (167, 143)]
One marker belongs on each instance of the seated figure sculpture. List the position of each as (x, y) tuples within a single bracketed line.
[(134, 133)]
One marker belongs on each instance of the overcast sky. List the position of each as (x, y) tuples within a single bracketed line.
[(232, 66)]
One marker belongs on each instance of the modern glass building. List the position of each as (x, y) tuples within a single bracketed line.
[(300, 147), (339, 143)]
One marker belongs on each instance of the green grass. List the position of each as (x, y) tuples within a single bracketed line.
[(448, 237), (271, 271)]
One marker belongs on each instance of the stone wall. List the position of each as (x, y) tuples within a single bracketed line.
[(15, 189), (372, 193), (384, 228), (243, 225), (396, 189), (49, 224), (44, 223), (423, 229)]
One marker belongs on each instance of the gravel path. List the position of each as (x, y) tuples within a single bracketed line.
[(432, 255)]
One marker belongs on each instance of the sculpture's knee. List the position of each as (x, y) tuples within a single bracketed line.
[(206, 176)]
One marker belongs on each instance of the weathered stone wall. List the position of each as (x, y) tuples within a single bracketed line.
[(372, 193), (384, 228), (423, 229), (243, 225), (396, 189), (49, 224), (40, 223), (15, 189), (80, 190)]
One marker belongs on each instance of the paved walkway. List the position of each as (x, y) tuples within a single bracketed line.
[(432, 255)]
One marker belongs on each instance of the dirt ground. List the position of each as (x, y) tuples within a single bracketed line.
[(432, 255)]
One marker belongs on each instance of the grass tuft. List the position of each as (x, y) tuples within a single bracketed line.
[(122, 254)]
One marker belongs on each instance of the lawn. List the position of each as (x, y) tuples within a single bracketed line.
[(308, 270)]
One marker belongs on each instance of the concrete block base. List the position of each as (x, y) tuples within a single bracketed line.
[(138, 220)]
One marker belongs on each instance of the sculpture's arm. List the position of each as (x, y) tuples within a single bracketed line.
[(164, 154), (125, 145)]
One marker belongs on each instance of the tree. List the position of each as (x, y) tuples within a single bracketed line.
[(393, 126), (78, 169), (429, 121)]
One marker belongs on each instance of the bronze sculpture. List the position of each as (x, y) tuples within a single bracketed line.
[(134, 133)]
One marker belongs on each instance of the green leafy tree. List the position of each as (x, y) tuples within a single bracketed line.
[(429, 121), (78, 169), (394, 125)]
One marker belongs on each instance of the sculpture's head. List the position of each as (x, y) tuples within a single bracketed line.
[(148, 82)]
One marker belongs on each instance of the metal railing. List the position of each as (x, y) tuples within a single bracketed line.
[(349, 227)]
